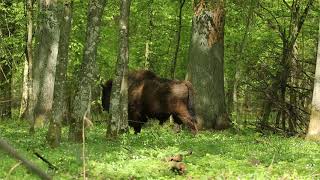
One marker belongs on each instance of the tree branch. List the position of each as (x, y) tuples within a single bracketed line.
[(12, 152)]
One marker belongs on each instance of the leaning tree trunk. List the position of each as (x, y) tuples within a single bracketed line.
[(44, 67), (206, 64), (119, 98), (314, 125), (59, 109), (82, 101)]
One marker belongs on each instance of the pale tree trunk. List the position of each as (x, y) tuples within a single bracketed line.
[(26, 109), (206, 64), (81, 104), (178, 36), (24, 96), (119, 98), (44, 67), (59, 108), (314, 125), (148, 64)]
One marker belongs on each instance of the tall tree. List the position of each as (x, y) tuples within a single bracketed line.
[(314, 125), (59, 109), (206, 63), (82, 101), (119, 98), (44, 66)]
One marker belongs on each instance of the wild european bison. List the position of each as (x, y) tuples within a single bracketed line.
[(154, 97)]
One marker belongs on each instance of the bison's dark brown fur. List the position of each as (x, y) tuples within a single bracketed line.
[(154, 97)]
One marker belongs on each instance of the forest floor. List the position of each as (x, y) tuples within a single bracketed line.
[(231, 154)]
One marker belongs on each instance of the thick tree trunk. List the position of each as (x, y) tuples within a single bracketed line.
[(119, 98), (44, 67), (82, 101), (60, 108), (314, 125), (178, 36), (206, 64)]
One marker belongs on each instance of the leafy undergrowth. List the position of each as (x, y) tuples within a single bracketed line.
[(221, 155)]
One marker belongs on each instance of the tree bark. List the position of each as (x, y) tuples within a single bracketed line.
[(44, 67), (59, 109), (206, 64), (314, 125), (82, 101), (119, 98)]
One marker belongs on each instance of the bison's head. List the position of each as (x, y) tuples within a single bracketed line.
[(106, 94)]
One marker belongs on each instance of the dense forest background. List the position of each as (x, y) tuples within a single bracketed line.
[(252, 64), (253, 39)]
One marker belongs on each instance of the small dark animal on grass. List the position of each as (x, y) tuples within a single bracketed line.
[(153, 97)]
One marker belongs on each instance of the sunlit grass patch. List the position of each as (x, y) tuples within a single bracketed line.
[(229, 154)]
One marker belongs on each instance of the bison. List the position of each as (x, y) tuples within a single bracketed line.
[(152, 97)]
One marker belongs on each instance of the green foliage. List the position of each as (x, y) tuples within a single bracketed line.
[(231, 154)]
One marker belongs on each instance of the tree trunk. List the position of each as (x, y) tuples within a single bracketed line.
[(82, 101), (60, 108), (44, 67), (149, 64), (26, 109), (314, 125), (178, 35), (206, 64), (119, 98)]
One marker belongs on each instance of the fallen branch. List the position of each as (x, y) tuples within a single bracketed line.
[(12, 152)]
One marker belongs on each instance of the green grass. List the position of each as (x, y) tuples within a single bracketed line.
[(220, 155)]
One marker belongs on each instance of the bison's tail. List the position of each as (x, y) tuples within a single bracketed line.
[(190, 98)]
